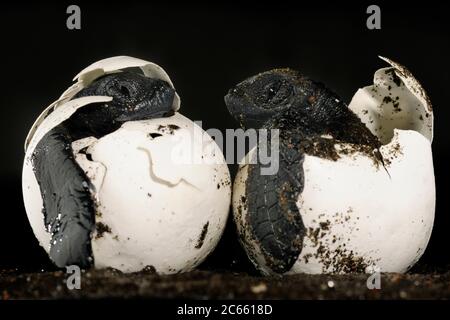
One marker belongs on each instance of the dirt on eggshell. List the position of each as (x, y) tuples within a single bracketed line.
[(341, 259), (202, 236)]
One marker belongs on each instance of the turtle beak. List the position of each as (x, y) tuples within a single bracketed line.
[(244, 110), (237, 101), (157, 104)]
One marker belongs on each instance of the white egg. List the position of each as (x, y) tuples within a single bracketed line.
[(360, 216), (161, 186)]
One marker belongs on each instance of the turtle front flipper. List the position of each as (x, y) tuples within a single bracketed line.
[(273, 218), (68, 206)]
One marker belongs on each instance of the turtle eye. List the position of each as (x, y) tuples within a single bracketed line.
[(124, 90), (272, 90), (278, 92), (120, 89)]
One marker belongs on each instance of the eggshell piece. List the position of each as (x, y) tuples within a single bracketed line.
[(30, 187), (396, 100), (240, 209), (370, 218), (152, 208), (34, 205), (52, 116)]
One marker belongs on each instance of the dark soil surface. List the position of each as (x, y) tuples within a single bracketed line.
[(98, 284)]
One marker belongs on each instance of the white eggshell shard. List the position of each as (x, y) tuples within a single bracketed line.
[(360, 216), (58, 115), (240, 210), (374, 220), (396, 100), (154, 208), (30, 187)]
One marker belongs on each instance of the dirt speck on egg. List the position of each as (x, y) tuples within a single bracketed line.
[(101, 229), (202, 236)]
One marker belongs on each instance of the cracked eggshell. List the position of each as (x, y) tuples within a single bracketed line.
[(30, 187), (357, 216), (152, 209)]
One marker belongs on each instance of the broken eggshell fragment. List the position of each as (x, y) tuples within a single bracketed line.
[(360, 216), (152, 208)]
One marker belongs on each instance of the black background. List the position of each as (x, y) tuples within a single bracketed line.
[(206, 49)]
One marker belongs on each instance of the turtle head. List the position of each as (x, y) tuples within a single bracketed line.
[(283, 93), (256, 99), (135, 97)]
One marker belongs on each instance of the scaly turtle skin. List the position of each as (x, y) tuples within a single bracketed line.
[(69, 210), (310, 119)]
